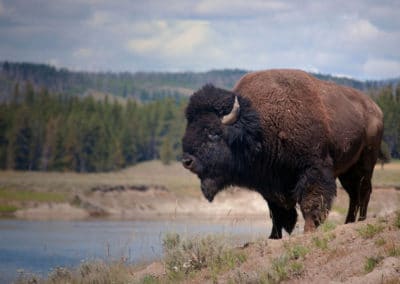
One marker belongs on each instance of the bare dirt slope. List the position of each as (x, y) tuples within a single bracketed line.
[(364, 252)]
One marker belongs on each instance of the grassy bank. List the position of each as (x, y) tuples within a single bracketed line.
[(388, 176), (12, 199), (174, 177), (26, 189)]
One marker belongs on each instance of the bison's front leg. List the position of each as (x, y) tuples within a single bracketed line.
[(316, 190), (281, 218)]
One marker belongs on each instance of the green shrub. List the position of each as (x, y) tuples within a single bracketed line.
[(184, 257), (149, 279), (287, 265), (280, 268), (380, 242), (371, 263), (296, 268), (328, 226), (397, 220), (88, 273), (7, 209), (321, 243), (296, 251), (394, 251), (369, 231)]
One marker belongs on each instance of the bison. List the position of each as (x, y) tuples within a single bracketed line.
[(288, 136)]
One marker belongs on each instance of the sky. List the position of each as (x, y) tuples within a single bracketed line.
[(357, 38)]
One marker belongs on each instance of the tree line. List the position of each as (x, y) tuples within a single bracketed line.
[(142, 86), (388, 99), (50, 132)]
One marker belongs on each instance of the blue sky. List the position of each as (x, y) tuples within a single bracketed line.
[(359, 39)]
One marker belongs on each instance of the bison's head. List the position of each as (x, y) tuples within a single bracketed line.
[(222, 137)]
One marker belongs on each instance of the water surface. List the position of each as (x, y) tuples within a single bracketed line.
[(40, 246)]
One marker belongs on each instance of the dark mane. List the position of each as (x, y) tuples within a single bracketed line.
[(244, 137)]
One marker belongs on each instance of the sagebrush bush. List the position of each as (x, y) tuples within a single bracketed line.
[(185, 256)]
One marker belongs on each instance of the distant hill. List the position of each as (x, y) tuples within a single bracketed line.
[(142, 86)]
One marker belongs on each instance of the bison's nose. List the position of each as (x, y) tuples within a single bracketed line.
[(188, 161)]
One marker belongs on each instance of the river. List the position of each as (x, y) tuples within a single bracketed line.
[(39, 246)]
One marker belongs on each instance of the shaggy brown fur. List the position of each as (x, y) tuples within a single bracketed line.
[(294, 135)]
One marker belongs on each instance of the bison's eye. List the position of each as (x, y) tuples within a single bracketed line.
[(213, 137)]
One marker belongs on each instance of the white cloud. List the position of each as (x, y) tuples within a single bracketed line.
[(54, 62), (239, 8), (175, 39), (381, 68), (2, 9), (83, 52), (362, 30), (100, 18)]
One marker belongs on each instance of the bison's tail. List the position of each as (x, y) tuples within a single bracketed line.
[(381, 156), (384, 153)]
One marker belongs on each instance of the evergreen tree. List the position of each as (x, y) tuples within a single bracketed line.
[(389, 102), (4, 125), (21, 145), (166, 153), (50, 144)]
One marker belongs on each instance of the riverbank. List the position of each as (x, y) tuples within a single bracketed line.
[(153, 191), (152, 204), (363, 252)]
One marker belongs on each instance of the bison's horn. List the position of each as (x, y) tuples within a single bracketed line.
[(231, 117)]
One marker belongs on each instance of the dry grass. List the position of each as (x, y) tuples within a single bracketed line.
[(397, 220), (29, 195), (369, 231), (389, 176), (183, 258), (174, 177), (11, 200), (97, 272), (7, 209)]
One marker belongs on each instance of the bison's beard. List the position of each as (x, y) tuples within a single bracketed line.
[(210, 188)]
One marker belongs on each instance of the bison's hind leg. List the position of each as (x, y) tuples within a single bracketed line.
[(281, 218), (357, 183), (351, 183)]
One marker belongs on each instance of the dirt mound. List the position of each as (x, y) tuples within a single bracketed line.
[(364, 252)]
